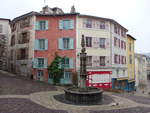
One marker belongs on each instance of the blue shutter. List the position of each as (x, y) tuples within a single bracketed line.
[(71, 43), (71, 24), (37, 27), (45, 63), (46, 25), (35, 63), (60, 43), (60, 24), (36, 46), (71, 63), (46, 44)]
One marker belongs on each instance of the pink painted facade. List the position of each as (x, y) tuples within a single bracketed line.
[(53, 34)]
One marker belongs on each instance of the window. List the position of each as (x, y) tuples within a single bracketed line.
[(1, 28), (66, 24), (13, 40), (119, 59), (102, 42), (88, 41), (122, 33), (67, 63), (130, 46), (102, 60), (116, 29), (89, 61), (88, 23), (40, 63), (122, 44), (115, 59), (41, 44), (42, 25), (24, 38), (115, 41), (119, 42), (67, 75), (130, 59), (22, 54), (66, 43), (102, 25)]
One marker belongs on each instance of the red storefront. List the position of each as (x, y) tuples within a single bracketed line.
[(100, 79)]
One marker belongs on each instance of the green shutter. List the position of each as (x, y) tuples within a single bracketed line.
[(71, 63), (60, 24), (60, 43), (46, 44), (35, 63), (46, 25), (71, 24), (71, 43), (45, 63), (37, 25), (36, 46)]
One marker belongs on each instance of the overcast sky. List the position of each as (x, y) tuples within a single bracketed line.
[(132, 14)]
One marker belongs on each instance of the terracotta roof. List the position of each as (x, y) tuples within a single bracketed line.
[(65, 14), (107, 19)]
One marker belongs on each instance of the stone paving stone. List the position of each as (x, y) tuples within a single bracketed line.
[(24, 106), (14, 85), (138, 99), (127, 110)]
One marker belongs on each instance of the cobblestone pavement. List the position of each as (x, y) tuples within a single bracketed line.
[(15, 105), (14, 85), (127, 110), (26, 96), (138, 99)]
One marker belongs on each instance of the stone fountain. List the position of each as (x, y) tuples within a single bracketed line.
[(83, 94)]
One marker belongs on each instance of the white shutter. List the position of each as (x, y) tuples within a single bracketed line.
[(107, 43), (107, 60)]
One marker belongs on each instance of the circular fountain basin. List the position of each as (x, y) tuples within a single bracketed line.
[(88, 95)]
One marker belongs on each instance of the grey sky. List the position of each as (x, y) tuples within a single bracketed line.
[(132, 14)]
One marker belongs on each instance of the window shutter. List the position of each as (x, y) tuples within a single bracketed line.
[(46, 44), (35, 63), (94, 42), (37, 25), (107, 60), (45, 63), (106, 26), (60, 24), (71, 43), (71, 63), (97, 61), (36, 46), (60, 43), (94, 60), (107, 43), (71, 24), (46, 25)]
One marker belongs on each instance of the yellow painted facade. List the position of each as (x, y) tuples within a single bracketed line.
[(130, 58)]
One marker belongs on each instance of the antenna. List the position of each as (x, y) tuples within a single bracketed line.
[(45, 2)]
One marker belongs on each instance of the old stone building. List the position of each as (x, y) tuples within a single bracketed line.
[(4, 42)]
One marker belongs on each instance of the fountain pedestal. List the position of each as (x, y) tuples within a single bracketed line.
[(83, 94)]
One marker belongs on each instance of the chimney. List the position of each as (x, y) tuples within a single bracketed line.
[(73, 10)]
